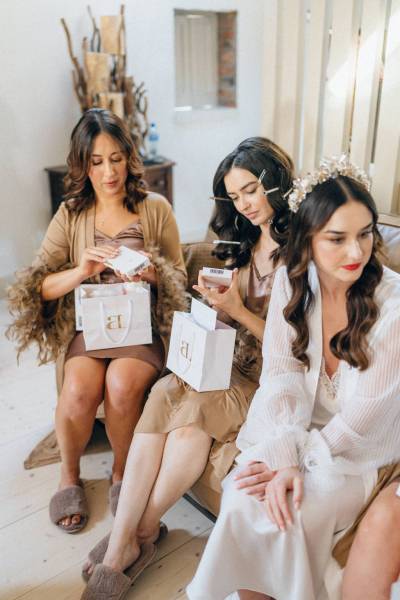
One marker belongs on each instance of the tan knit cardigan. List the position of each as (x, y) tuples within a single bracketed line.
[(52, 324)]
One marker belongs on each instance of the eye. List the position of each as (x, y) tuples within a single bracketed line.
[(252, 190), (116, 160), (336, 240), (96, 163), (365, 234)]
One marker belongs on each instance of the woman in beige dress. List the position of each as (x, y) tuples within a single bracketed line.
[(106, 205), (182, 431)]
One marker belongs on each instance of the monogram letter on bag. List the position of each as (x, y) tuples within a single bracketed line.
[(114, 322), (184, 350)]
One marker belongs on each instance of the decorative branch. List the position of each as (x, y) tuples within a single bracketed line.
[(78, 74), (96, 33), (134, 98)]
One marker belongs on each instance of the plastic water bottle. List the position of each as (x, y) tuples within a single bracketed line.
[(153, 141)]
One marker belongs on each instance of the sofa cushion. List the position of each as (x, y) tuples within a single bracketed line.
[(196, 256), (391, 237)]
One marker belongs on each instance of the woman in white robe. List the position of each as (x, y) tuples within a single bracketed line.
[(327, 412)]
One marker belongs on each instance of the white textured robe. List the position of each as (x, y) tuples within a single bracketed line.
[(339, 459)]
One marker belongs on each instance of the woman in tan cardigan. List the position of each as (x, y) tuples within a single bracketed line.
[(106, 205)]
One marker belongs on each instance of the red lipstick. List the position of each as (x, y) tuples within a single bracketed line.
[(352, 267)]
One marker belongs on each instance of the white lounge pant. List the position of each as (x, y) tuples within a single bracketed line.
[(247, 551)]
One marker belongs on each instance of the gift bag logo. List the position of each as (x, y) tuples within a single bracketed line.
[(114, 322), (185, 350)]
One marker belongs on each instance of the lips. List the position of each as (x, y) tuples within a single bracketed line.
[(111, 182), (352, 267), (251, 215)]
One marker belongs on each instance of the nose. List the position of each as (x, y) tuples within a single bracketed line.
[(355, 251), (242, 204), (108, 168)]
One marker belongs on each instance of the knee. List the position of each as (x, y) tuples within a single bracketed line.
[(78, 401), (383, 516), (186, 432), (123, 394)]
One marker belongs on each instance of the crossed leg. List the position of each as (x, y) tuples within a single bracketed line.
[(159, 469)]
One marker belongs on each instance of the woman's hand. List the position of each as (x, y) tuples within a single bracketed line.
[(285, 480), (92, 259), (255, 478), (222, 298), (149, 274)]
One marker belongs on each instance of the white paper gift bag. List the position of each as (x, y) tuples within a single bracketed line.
[(201, 349), (114, 315)]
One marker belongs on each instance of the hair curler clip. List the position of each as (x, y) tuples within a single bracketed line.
[(262, 175), (266, 192), (214, 198)]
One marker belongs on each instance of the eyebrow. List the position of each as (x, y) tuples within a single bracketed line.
[(112, 153), (243, 187), (342, 232)]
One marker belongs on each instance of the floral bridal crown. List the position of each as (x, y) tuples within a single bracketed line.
[(328, 169)]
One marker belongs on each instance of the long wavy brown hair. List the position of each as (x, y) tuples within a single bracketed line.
[(79, 193), (253, 154), (314, 212)]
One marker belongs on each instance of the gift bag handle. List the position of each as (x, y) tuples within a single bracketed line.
[(103, 324)]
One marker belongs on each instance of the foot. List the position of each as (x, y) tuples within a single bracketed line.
[(148, 534), (66, 481), (127, 555)]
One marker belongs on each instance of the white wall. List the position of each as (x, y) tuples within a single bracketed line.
[(38, 107)]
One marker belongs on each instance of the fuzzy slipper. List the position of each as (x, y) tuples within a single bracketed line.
[(107, 584), (97, 553), (66, 503), (113, 496)]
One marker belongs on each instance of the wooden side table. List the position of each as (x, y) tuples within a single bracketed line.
[(158, 177)]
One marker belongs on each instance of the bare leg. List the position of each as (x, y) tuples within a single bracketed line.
[(185, 457), (248, 595), (142, 467), (374, 560), (149, 489), (127, 381), (80, 396)]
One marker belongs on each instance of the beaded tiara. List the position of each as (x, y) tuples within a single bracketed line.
[(330, 168)]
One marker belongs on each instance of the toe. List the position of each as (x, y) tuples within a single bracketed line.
[(76, 519)]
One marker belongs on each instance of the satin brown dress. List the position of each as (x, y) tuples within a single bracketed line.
[(153, 354)]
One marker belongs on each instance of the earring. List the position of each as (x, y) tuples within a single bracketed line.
[(235, 223), (270, 220)]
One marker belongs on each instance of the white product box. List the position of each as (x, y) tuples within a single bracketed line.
[(128, 262), (214, 278)]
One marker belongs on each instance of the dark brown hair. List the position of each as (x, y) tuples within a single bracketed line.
[(314, 212), (253, 154), (79, 193)]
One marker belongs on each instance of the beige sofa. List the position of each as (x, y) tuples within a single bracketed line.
[(197, 255)]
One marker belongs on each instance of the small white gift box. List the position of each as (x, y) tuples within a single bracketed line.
[(201, 348), (113, 315)]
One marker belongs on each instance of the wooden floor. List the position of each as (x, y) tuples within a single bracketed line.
[(38, 562)]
